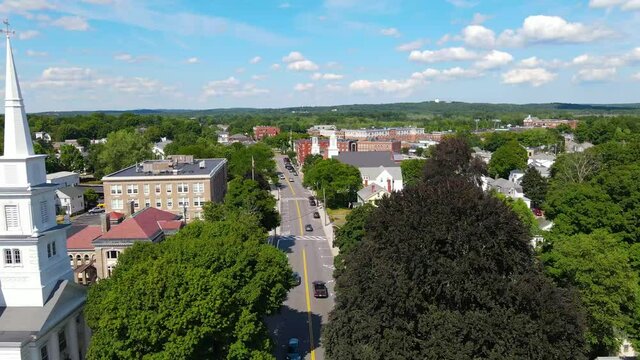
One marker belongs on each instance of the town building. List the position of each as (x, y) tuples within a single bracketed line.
[(394, 146), (534, 122), (505, 187), (180, 184), (371, 194), (223, 137), (41, 307), (63, 179), (315, 146), (375, 168), (158, 148), (403, 134), (323, 130), (41, 135), (261, 132), (70, 199)]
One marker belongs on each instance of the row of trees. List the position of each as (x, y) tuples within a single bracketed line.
[(338, 182)]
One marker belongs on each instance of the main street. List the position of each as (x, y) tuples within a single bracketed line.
[(310, 255)]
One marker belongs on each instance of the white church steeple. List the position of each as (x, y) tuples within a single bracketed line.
[(33, 251)]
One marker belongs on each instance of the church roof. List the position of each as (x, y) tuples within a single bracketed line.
[(18, 324)]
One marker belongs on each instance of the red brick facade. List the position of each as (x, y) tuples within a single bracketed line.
[(261, 132), (393, 146), (303, 148)]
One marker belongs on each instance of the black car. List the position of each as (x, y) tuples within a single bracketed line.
[(320, 290), (312, 202), (308, 227), (316, 215), (297, 280)]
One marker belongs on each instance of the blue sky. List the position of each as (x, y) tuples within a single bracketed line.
[(128, 54)]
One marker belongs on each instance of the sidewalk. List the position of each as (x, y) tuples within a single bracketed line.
[(326, 225)]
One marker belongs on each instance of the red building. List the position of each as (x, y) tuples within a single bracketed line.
[(534, 122), (303, 148), (393, 146), (261, 132)]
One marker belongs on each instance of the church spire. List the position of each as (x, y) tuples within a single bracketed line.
[(17, 136)]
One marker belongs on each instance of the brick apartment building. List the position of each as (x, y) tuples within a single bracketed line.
[(261, 132), (393, 146), (534, 122), (303, 147), (180, 184)]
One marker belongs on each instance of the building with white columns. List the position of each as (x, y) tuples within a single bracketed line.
[(40, 304)]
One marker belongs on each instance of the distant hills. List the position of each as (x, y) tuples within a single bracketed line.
[(427, 107)]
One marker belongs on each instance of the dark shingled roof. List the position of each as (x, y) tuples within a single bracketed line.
[(185, 169), (368, 159)]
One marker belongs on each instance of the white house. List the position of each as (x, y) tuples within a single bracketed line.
[(63, 179), (505, 187), (158, 148), (41, 307), (371, 194), (376, 167), (41, 135), (70, 198), (515, 176)]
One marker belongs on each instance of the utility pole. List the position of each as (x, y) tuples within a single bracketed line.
[(253, 169), (324, 201)]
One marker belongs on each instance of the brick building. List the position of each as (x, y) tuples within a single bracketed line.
[(393, 146), (261, 132), (534, 122), (303, 148), (180, 185)]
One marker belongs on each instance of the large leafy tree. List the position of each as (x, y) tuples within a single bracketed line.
[(349, 235), (123, 148), (71, 159), (444, 266), (259, 157), (534, 186), (247, 195), (576, 167), (599, 266), (412, 171), (453, 156), (510, 156), (339, 181), (201, 294)]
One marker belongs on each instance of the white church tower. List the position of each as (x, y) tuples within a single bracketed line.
[(40, 305), (333, 150)]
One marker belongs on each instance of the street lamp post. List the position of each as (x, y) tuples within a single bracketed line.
[(324, 201)]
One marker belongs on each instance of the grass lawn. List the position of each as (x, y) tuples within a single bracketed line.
[(338, 216)]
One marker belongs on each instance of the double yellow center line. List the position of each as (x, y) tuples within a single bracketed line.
[(306, 276)]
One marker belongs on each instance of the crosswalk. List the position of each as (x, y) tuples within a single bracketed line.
[(301, 238)]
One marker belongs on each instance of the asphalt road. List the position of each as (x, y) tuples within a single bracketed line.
[(309, 254)]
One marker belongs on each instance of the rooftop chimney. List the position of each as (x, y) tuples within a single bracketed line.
[(129, 208), (105, 223)]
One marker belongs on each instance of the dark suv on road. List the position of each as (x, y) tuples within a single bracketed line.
[(320, 290)]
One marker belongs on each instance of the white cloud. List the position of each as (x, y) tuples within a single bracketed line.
[(631, 57), (293, 57), (446, 74), (462, 3), (631, 5), (72, 23), (530, 62), (413, 45), (29, 34), (444, 39), (255, 60), (446, 54), (193, 60), (494, 59), (326, 76), (479, 19), (393, 32), (275, 67), (386, 86), (303, 87), (594, 74), (552, 29), (33, 53), (636, 76), (24, 6), (535, 76), (128, 58), (284, 5), (478, 36), (334, 87), (303, 65), (231, 87), (240, 70), (99, 2), (258, 77)]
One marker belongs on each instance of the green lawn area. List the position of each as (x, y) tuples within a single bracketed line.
[(338, 216)]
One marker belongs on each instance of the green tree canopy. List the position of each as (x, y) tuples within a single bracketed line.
[(247, 195), (123, 148), (201, 294), (354, 229), (599, 266), (510, 156), (339, 181), (534, 186), (91, 197), (412, 171), (71, 159), (444, 266)]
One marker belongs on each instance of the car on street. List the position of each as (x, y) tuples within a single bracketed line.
[(311, 198), (308, 227), (293, 349), (320, 290), (295, 173), (96, 210), (297, 280), (290, 179), (316, 215), (312, 202), (537, 212), (281, 177)]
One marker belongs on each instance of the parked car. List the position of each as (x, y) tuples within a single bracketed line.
[(292, 349), (96, 210), (290, 179), (316, 215), (311, 198), (281, 177), (308, 227), (320, 290), (537, 212), (312, 202), (297, 280), (295, 173)]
